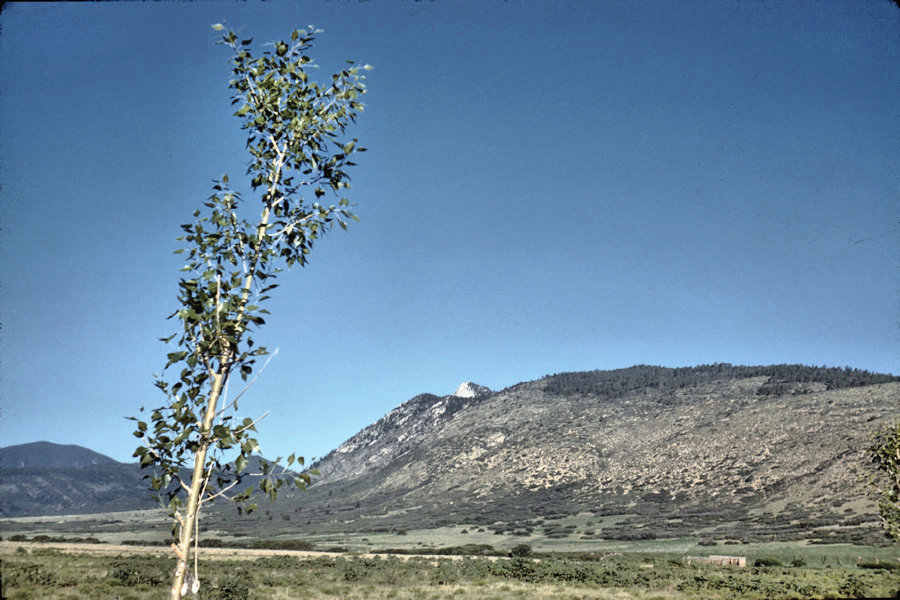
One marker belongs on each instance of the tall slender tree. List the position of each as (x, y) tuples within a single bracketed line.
[(298, 155)]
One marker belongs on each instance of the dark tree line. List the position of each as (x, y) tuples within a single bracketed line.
[(781, 378)]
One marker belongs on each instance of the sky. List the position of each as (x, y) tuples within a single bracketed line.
[(549, 187)]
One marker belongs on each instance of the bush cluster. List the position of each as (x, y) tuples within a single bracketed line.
[(351, 576)]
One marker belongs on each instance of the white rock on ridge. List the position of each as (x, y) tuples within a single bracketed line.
[(467, 389)]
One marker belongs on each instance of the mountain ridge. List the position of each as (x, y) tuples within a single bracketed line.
[(677, 450), (760, 453), (604, 384), (48, 454)]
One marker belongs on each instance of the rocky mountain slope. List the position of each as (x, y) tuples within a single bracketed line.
[(761, 452), (395, 434)]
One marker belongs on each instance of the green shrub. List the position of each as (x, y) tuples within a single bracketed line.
[(767, 561), (852, 587), (444, 573), (233, 588), (15, 575), (520, 568), (283, 545), (131, 571), (356, 569)]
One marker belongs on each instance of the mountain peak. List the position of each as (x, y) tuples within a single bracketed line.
[(467, 389)]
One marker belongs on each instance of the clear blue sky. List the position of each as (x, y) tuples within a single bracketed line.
[(550, 186)]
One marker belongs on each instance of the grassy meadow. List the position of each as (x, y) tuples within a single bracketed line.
[(58, 571), (125, 556)]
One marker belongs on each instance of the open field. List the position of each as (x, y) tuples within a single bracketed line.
[(60, 572), (123, 555), (150, 528), (564, 534)]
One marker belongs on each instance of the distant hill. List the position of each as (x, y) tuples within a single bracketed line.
[(46, 454), (42, 478), (730, 452), (33, 491)]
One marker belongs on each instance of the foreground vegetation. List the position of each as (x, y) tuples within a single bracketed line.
[(48, 573)]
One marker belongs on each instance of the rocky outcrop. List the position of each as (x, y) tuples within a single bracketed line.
[(467, 389), (397, 433)]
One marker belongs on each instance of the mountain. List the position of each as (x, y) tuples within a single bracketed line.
[(730, 452), (42, 478), (47, 479), (717, 451), (45, 454)]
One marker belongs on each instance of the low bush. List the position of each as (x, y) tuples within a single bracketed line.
[(852, 587), (767, 561), (27, 573), (282, 545), (233, 588), (130, 571)]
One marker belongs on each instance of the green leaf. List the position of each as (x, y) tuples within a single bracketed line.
[(174, 357), (240, 463)]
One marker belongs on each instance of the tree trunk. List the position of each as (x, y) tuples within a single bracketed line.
[(193, 506)]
